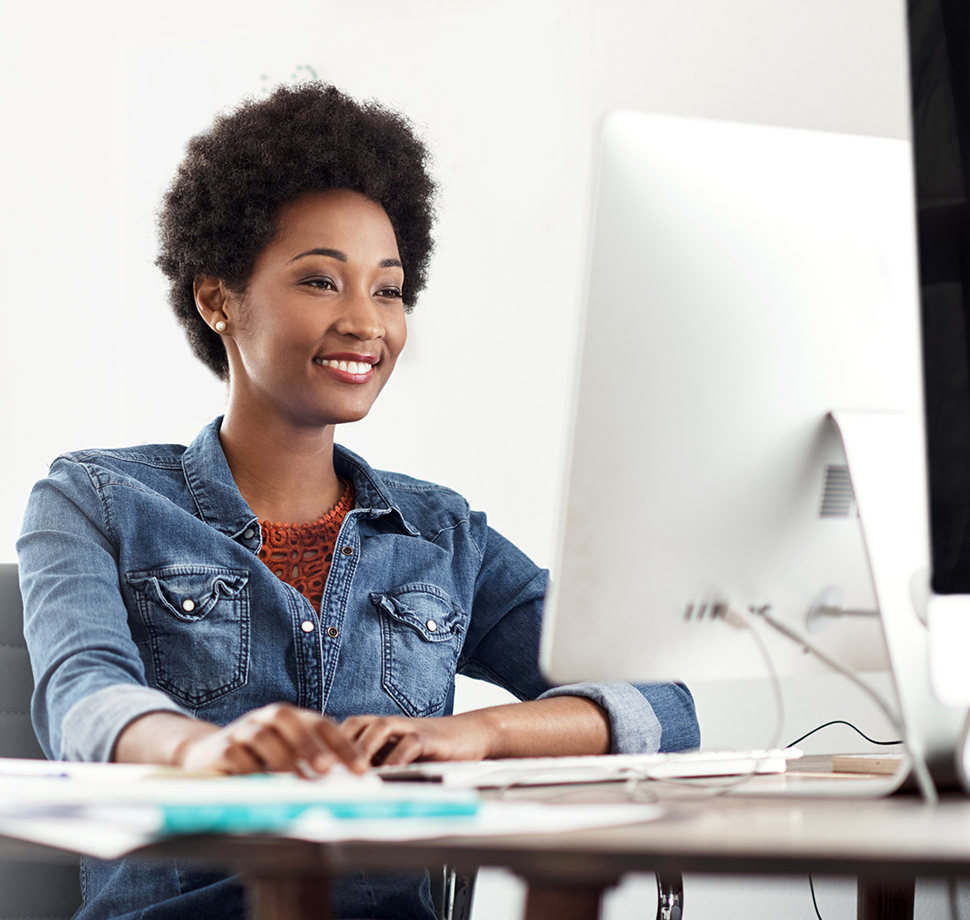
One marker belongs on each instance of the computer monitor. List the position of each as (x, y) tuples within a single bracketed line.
[(939, 45), (748, 416)]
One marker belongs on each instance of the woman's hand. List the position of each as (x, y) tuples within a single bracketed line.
[(551, 727), (398, 740), (279, 737)]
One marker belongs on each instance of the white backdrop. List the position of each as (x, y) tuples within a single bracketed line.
[(99, 98)]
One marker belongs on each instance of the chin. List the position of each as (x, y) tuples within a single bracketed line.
[(351, 416)]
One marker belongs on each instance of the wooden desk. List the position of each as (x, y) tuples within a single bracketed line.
[(886, 843)]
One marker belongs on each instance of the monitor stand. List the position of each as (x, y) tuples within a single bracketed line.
[(884, 453)]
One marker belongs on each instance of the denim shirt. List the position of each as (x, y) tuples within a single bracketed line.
[(143, 592)]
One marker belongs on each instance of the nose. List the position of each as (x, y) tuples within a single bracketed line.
[(360, 318)]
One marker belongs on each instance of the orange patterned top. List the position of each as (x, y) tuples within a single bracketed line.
[(300, 554)]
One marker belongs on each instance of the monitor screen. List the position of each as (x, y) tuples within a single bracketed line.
[(939, 40), (939, 35)]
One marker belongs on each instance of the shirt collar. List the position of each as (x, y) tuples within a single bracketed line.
[(221, 505), (373, 495)]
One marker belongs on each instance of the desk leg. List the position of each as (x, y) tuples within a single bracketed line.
[(554, 901), (882, 900), (288, 897)]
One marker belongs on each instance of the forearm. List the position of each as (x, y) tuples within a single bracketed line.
[(554, 727), (159, 737)]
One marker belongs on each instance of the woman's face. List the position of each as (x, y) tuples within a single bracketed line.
[(316, 334)]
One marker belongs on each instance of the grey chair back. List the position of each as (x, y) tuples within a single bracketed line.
[(28, 891), (17, 737)]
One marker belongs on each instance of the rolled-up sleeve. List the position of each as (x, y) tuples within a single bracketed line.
[(91, 726), (89, 679), (503, 647), (644, 718)]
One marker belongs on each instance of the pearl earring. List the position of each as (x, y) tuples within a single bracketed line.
[(220, 326)]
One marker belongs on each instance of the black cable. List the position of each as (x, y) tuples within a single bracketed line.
[(811, 884), (953, 896), (841, 722)]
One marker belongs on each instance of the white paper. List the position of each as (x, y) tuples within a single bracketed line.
[(493, 819), (95, 835), (111, 810)]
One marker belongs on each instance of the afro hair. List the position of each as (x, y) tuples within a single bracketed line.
[(222, 207)]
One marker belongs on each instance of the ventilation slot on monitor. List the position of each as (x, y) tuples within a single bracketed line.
[(712, 610), (838, 499)]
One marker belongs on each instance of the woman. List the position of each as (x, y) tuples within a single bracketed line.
[(204, 606)]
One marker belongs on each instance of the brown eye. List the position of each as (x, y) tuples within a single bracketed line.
[(322, 284)]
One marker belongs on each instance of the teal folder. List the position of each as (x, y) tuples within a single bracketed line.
[(274, 816)]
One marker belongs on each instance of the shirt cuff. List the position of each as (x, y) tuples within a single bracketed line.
[(634, 727), (92, 725)]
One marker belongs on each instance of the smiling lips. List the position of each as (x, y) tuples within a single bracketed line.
[(358, 370)]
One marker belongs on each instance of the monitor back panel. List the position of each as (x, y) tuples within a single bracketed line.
[(743, 281)]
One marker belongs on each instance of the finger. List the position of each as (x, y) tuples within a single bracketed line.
[(267, 745), (405, 749), (354, 725), (297, 728), (346, 750), (313, 737), (237, 759), (377, 735)]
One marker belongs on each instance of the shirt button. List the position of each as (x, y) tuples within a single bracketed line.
[(347, 550), (333, 632), (432, 626), (188, 605), (307, 626), (249, 533)]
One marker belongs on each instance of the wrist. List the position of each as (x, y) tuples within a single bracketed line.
[(159, 737), (195, 731), (494, 730)]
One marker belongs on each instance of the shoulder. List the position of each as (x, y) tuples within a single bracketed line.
[(153, 455), (407, 490), (147, 465), (105, 486), (433, 509)]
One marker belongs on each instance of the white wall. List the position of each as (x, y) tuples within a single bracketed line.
[(99, 97)]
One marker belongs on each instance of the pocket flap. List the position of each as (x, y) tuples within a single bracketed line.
[(189, 592), (425, 608)]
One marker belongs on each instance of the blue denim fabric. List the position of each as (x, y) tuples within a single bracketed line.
[(143, 592), (129, 890)]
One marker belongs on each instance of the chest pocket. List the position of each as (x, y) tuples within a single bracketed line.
[(421, 636), (196, 619)]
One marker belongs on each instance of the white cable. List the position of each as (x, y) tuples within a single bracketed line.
[(916, 762), (635, 777), (738, 620)]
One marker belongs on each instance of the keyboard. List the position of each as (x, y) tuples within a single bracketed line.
[(604, 768)]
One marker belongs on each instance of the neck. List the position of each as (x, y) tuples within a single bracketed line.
[(284, 473)]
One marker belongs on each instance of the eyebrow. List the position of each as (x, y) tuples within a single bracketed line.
[(342, 257), (333, 253)]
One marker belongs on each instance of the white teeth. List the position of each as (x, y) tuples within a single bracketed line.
[(351, 367)]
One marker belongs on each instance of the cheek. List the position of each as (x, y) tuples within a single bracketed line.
[(399, 332), (247, 331), (239, 308), (265, 331)]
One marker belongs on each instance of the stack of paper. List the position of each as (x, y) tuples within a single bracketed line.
[(109, 810)]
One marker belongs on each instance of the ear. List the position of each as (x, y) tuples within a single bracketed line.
[(213, 301)]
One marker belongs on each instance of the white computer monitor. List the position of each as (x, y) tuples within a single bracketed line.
[(751, 319)]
